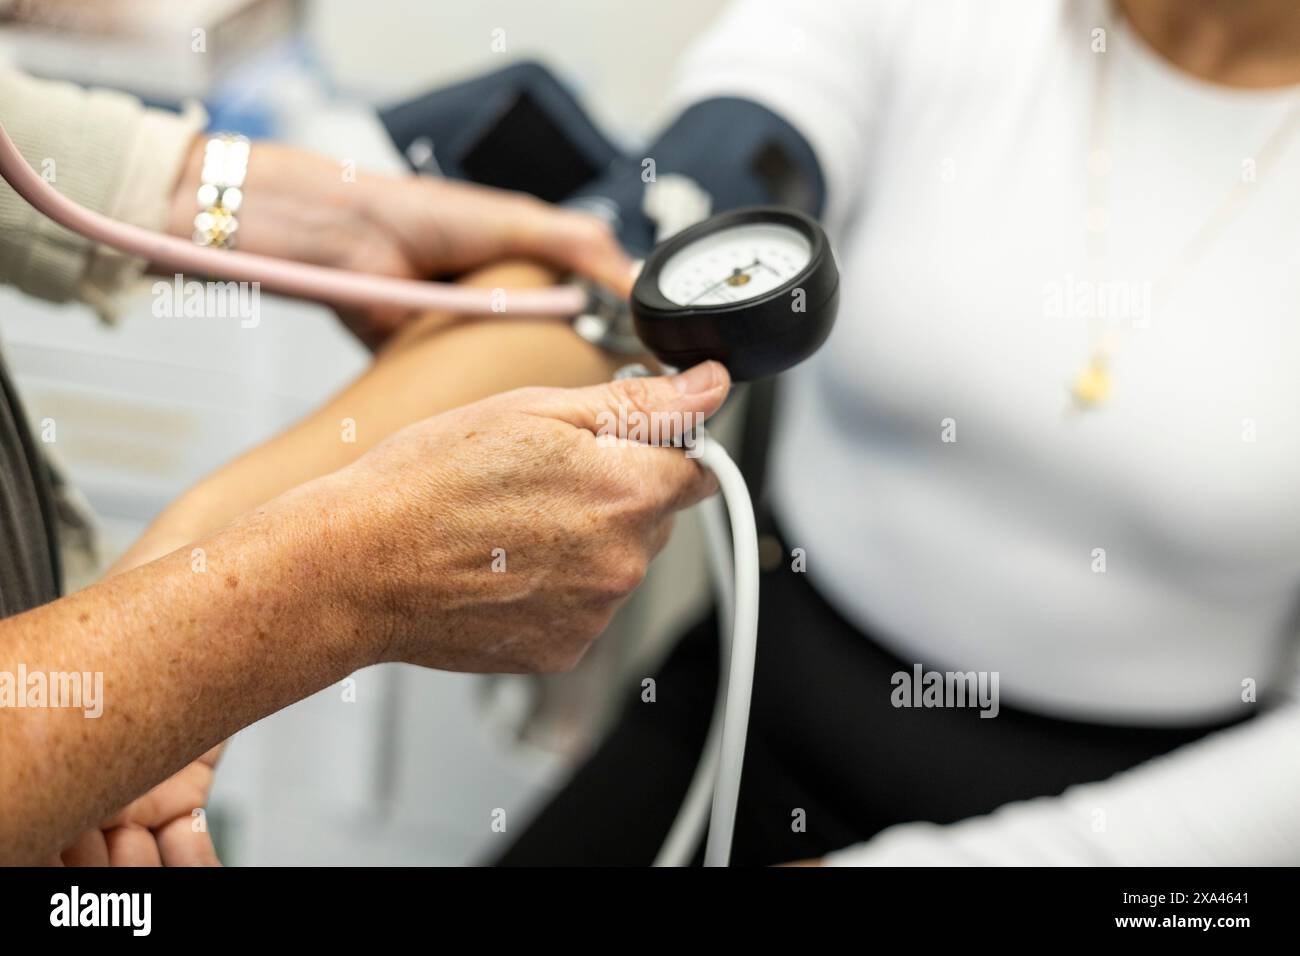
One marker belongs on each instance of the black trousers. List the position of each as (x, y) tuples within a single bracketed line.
[(824, 739)]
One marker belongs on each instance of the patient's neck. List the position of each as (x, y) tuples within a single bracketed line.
[(1253, 44)]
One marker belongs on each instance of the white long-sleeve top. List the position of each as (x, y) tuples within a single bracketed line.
[(1138, 562)]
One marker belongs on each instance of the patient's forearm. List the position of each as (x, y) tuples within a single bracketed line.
[(433, 365), (186, 658)]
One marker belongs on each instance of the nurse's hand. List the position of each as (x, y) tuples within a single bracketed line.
[(165, 827), (306, 207), (502, 536)]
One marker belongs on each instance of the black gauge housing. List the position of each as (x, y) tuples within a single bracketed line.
[(754, 338)]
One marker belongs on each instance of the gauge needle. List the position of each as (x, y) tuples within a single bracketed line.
[(738, 271)]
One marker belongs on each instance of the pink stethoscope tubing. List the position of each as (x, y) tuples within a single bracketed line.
[(335, 286)]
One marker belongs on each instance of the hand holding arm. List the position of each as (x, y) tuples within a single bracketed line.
[(299, 205)]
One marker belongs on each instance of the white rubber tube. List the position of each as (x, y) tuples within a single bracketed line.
[(687, 829), (744, 646)]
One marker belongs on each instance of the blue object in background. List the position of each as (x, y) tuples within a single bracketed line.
[(245, 102)]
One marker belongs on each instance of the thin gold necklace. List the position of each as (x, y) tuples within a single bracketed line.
[(1093, 384)]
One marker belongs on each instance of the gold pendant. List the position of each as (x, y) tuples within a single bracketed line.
[(1092, 386)]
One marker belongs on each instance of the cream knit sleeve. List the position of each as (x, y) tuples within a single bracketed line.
[(107, 152)]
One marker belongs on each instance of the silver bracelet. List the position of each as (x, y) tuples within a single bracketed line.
[(221, 193)]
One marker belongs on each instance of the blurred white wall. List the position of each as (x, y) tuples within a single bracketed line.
[(620, 55), (410, 772)]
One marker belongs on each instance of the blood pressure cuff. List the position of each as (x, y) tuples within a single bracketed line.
[(515, 128), (739, 152), (520, 128)]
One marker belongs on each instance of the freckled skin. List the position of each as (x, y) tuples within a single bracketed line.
[(383, 560)]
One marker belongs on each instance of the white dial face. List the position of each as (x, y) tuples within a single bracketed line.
[(734, 264)]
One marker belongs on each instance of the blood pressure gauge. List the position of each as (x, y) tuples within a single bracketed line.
[(756, 289)]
